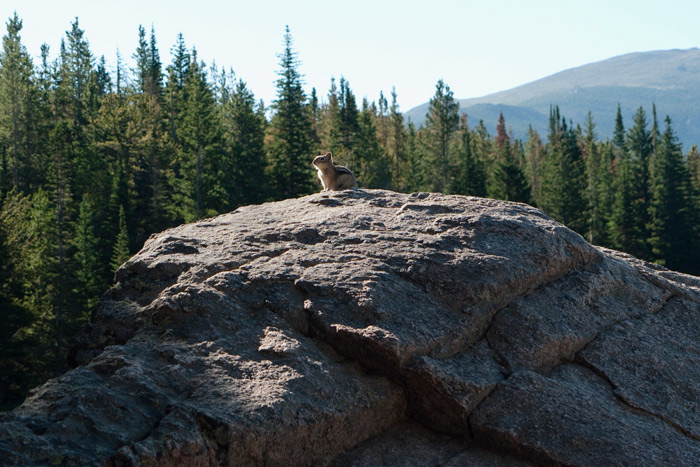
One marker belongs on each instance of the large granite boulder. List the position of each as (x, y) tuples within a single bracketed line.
[(376, 328)]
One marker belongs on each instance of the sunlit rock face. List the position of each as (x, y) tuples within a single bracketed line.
[(368, 327)]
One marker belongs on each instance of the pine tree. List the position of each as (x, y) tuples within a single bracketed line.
[(619, 134), (141, 57), (602, 195), (693, 158), (383, 120), (507, 180), (120, 250), (87, 263), (290, 171), (535, 160), (348, 125), (195, 181), (673, 215), (315, 111), (564, 182), (470, 178), (15, 376), (441, 124), (43, 292), (374, 169), (18, 96), (329, 125), (396, 145), (244, 162), (639, 146), (414, 173), (155, 73), (175, 87), (622, 224)]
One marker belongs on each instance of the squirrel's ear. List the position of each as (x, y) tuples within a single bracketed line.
[(329, 154)]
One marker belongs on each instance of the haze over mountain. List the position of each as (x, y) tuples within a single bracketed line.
[(670, 79)]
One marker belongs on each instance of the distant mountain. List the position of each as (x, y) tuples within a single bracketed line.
[(668, 78)]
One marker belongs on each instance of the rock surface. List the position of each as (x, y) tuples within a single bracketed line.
[(376, 328)]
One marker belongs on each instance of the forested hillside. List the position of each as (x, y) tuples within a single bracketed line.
[(93, 162), (668, 78)]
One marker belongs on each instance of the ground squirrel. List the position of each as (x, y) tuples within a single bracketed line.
[(333, 177)]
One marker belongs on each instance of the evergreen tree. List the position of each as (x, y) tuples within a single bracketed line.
[(414, 174), (149, 79), (373, 164), (196, 181), (654, 133), (291, 173), (154, 83), (484, 146), (441, 124), (383, 120), (673, 225), (535, 161), (396, 143), (507, 181), (329, 125), (315, 111), (348, 125), (15, 375), (244, 163), (602, 195), (622, 224), (564, 182), (619, 134), (470, 176), (693, 159), (638, 144), (88, 284), (43, 294), (120, 250), (142, 58), (17, 110), (175, 87)]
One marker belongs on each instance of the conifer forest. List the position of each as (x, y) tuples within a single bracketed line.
[(94, 161)]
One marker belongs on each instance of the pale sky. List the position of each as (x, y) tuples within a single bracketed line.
[(476, 47)]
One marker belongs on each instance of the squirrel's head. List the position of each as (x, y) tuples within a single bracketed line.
[(323, 160)]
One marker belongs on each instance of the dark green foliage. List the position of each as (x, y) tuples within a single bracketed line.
[(196, 179), (622, 224), (374, 168), (507, 180), (414, 172), (441, 124), (470, 174), (564, 182), (243, 164), (673, 217), (290, 152), (120, 250), (638, 143), (396, 143), (87, 264), (18, 104), (601, 185), (15, 371)]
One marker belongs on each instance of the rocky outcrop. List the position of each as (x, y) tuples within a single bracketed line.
[(376, 328)]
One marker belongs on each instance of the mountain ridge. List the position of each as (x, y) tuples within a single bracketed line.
[(667, 79)]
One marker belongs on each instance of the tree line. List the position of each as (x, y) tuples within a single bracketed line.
[(93, 162)]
